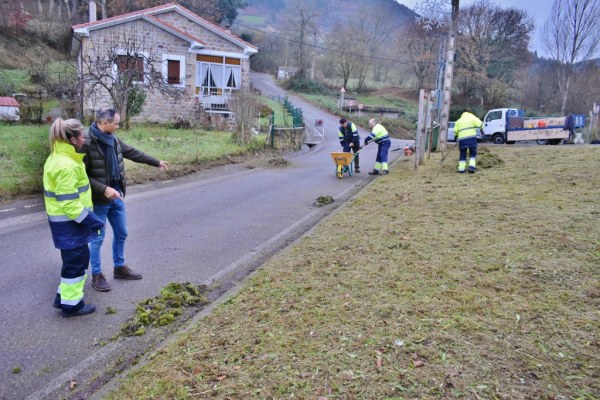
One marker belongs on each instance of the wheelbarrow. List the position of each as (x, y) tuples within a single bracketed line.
[(344, 163)]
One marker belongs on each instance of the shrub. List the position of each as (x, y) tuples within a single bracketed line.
[(303, 85), (181, 123)]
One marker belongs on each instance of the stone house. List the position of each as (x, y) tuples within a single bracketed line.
[(202, 61)]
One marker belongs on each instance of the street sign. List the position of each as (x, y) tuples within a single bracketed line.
[(360, 106), (351, 103), (343, 90)]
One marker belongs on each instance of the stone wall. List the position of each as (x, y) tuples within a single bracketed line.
[(287, 138)]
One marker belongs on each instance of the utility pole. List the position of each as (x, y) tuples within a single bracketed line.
[(434, 12), (448, 73)]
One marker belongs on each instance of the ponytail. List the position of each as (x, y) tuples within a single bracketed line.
[(62, 131)]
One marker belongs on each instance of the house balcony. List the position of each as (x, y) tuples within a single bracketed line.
[(215, 103)]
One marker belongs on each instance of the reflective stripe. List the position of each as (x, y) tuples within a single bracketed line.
[(71, 290), (68, 196), (72, 281), (81, 217), (63, 218), (464, 129), (70, 302)]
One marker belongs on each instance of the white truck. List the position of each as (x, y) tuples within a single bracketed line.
[(507, 125)]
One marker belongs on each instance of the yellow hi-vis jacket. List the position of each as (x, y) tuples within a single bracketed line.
[(466, 126), (379, 134), (68, 198)]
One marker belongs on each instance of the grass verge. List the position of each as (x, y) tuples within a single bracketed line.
[(429, 284), (24, 149)]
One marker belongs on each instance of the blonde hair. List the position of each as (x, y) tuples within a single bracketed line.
[(63, 130)]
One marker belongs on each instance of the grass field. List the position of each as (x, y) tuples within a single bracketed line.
[(24, 149), (428, 284)]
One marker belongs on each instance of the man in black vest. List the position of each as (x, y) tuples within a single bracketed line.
[(349, 139), (105, 167)]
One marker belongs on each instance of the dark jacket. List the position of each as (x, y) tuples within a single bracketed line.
[(348, 135), (97, 168)]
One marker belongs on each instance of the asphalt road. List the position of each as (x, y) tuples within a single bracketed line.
[(200, 228)]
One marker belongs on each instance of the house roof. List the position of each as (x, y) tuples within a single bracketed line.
[(8, 102), (152, 15)]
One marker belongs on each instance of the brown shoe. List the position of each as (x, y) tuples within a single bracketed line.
[(125, 272), (99, 283)]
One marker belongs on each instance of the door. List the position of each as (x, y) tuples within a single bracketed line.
[(493, 122)]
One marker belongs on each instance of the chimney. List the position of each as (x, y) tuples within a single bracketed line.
[(92, 11)]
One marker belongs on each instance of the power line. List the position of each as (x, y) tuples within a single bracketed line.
[(327, 49)]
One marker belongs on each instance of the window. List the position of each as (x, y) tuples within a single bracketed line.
[(131, 66), (173, 77), (216, 75), (173, 69), (493, 116)]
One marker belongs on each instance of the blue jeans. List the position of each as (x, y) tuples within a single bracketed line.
[(115, 212)]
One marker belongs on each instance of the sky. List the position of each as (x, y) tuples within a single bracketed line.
[(538, 9)]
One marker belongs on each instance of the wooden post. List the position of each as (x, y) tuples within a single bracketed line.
[(420, 124), (449, 71)]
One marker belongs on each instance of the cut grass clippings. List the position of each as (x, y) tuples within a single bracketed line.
[(428, 284), (164, 308)]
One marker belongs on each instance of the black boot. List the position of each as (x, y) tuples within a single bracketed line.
[(374, 172)]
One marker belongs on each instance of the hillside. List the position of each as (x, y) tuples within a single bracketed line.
[(25, 52), (271, 15)]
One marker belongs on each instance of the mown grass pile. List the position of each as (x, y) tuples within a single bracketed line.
[(163, 309), (429, 284)]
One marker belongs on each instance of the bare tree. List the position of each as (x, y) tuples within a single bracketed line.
[(245, 107), (121, 69), (492, 47), (343, 58), (373, 29), (302, 18), (421, 47), (571, 35)]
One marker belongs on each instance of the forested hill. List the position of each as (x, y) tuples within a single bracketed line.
[(273, 14)]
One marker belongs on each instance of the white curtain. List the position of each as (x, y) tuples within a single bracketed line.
[(201, 73), (217, 75), (232, 77)]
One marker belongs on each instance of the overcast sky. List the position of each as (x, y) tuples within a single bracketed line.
[(538, 9)]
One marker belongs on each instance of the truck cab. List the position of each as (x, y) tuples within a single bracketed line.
[(495, 121)]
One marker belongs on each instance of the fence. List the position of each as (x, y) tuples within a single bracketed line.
[(289, 138)]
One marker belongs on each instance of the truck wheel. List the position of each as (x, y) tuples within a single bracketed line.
[(554, 142), (542, 141), (498, 138)]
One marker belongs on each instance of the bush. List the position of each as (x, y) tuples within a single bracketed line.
[(181, 123), (303, 85), (31, 112)]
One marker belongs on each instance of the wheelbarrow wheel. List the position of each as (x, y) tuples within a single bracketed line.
[(340, 171)]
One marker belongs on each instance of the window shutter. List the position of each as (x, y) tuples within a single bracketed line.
[(173, 77)]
